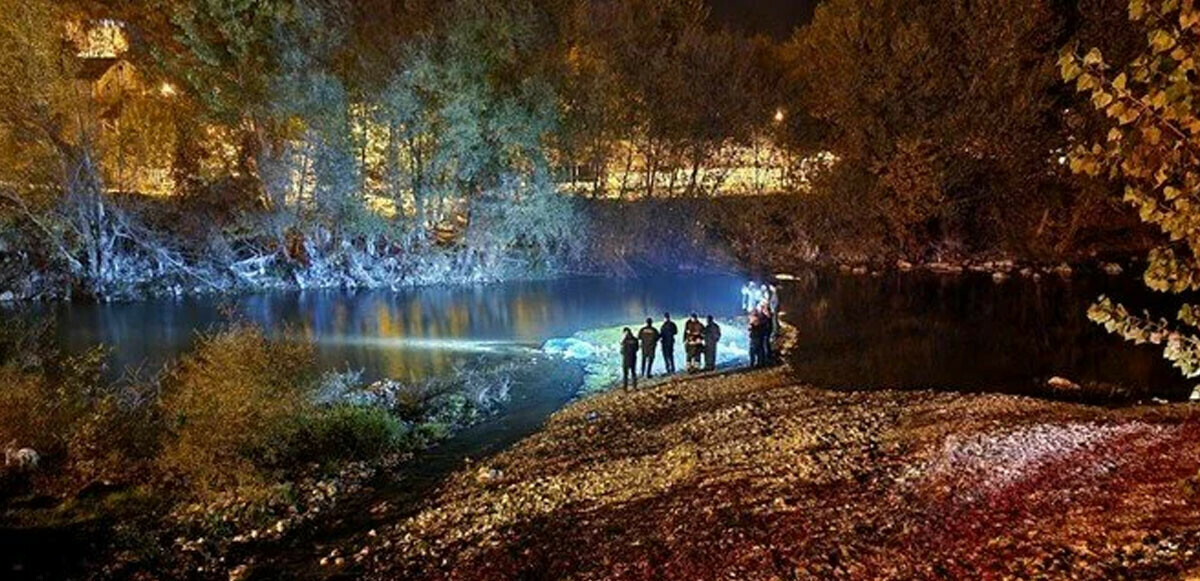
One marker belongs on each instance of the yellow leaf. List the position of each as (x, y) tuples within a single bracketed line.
[(1161, 41), (1152, 134), (1101, 99), (1086, 82), (1115, 134), (1188, 17), (1137, 9), (1116, 109), (1071, 70), (1093, 57), (1159, 100), (1119, 82), (1129, 115), (1171, 192)]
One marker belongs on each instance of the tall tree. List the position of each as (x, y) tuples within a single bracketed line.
[(948, 105)]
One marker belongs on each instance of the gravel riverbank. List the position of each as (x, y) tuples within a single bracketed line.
[(751, 476)]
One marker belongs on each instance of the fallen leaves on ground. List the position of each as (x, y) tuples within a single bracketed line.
[(750, 476)]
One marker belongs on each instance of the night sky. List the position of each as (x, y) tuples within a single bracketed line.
[(776, 18)]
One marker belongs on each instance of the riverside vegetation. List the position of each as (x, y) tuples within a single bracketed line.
[(364, 144), (233, 445)]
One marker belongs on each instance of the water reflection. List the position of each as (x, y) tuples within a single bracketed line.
[(406, 335), (922, 330), (898, 330)]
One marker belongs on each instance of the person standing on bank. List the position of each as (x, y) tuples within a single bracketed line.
[(773, 304), (712, 337), (748, 301), (649, 337), (767, 318), (666, 334), (756, 329), (693, 340), (629, 352)]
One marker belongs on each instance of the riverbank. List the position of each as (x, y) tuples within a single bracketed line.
[(754, 475), (243, 447)]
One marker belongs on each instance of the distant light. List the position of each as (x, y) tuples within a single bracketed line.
[(779, 115), (168, 90)]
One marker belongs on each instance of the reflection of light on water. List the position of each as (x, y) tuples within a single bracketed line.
[(445, 345), (598, 350)]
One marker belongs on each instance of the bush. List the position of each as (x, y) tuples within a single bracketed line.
[(345, 432), (82, 429), (231, 406)]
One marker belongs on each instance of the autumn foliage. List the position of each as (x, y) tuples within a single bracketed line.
[(1152, 148)]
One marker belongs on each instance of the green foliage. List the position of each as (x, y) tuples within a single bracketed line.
[(1153, 148), (57, 405), (342, 432)]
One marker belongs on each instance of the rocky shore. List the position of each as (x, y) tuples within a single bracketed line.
[(756, 476), (1000, 269)]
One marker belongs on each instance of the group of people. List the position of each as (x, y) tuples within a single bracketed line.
[(700, 340), (761, 303)]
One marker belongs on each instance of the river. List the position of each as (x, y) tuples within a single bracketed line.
[(905, 330)]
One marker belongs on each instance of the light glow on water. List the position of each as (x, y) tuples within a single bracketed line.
[(429, 344)]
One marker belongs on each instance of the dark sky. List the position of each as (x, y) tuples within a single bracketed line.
[(776, 18)]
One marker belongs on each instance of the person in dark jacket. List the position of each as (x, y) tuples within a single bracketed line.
[(649, 337), (666, 334), (712, 336), (629, 351), (768, 332), (756, 332)]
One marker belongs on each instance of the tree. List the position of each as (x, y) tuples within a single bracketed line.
[(949, 105), (1153, 147), (51, 176)]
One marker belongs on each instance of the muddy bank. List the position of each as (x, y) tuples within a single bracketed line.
[(752, 476)]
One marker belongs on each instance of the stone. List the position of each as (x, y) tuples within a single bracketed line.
[(1195, 395), (904, 264), (1112, 269), (945, 268), (485, 475), (1062, 384)]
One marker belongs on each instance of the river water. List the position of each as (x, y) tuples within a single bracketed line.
[(908, 330), (407, 335), (924, 330)]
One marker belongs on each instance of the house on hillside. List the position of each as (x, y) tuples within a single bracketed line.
[(133, 131), (108, 81)]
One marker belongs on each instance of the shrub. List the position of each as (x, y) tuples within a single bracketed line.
[(345, 432), (84, 430), (231, 406)]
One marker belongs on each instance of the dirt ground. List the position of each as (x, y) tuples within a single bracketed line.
[(751, 476)]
